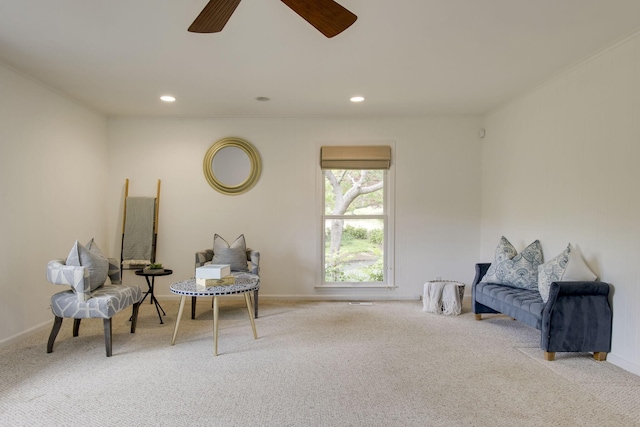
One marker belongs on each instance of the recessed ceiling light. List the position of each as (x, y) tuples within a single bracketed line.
[(168, 98), (263, 98), (357, 98)]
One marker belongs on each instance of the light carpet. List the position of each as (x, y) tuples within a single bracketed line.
[(314, 364)]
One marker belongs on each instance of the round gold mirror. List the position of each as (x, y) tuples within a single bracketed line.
[(232, 166)]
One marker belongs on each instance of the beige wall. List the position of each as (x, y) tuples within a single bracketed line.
[(53, 172), (560, 164), (436, 164)]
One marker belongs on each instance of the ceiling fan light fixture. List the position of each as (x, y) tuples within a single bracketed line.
[(356, 99), (168, 98)]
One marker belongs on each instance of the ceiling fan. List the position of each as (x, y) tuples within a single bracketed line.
[(326, 15)]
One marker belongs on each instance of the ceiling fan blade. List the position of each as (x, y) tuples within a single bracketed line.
[(214, 16), (326, 15)]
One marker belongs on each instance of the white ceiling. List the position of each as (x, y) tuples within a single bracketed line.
[(407, 57)]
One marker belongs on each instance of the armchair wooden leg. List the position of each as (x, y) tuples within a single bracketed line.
[(57, 322), (134, 316), (478, 316), (255, 303), (549, 356), (107, 336), (215, 326), (76, 326)]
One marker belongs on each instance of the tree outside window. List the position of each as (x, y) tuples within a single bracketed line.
[(354, 226)]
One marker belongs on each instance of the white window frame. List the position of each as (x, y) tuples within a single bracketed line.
[(389, 225)]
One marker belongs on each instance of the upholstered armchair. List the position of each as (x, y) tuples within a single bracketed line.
[(245, 263), (85, 271)]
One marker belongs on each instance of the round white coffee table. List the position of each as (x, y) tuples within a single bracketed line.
[(188, 288)]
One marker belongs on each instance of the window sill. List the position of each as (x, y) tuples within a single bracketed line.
[(354, 286)]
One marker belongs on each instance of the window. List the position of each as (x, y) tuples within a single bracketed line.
[(356, 235)]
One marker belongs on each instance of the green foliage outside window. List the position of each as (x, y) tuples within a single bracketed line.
[(354, 227)]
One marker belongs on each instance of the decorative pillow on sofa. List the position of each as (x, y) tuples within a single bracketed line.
[(520, 271), (503, 252), (93, 260), (569, 265), (235, 254)]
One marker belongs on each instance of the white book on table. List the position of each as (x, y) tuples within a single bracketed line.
[(213, 271)]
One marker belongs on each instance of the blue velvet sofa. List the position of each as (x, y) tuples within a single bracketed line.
[(576, 318)]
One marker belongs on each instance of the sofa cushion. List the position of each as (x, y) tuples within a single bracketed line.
[(235, 254), (93, 260), (525, 305), (567, 266), (104, 302)]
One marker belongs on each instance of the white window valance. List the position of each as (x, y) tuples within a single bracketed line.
[(355, 157)]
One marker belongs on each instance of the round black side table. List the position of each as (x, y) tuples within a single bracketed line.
[(151, 283)]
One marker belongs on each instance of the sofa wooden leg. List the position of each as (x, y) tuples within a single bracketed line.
[(600, 356), (57, 322), (549, 355), (478, 316)]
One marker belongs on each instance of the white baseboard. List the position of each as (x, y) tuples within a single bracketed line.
[(333, 297), (623, 363), (22, 335), (328, 297)]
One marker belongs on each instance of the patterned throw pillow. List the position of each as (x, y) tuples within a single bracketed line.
[(521, 271), (93, 260), (517, 270), (504, 251), (235, 254), (568, 266)]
